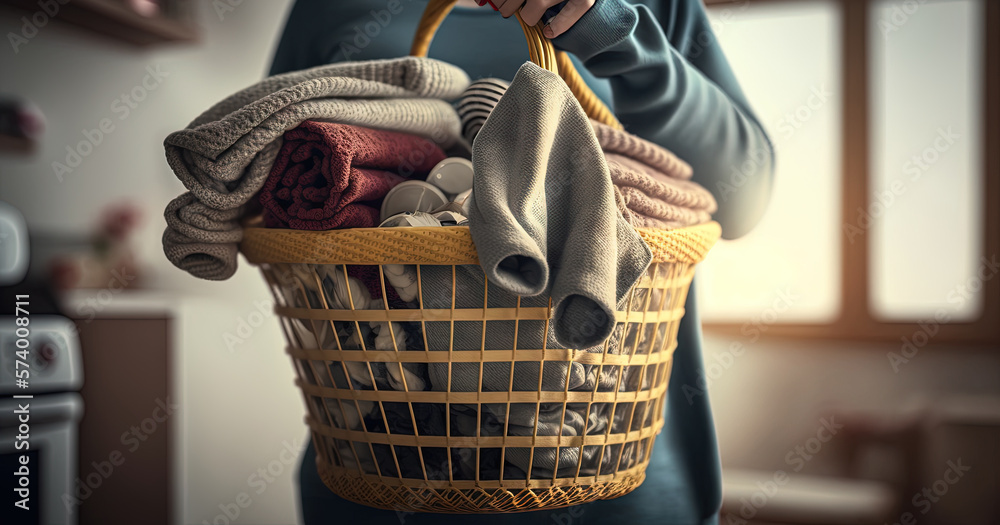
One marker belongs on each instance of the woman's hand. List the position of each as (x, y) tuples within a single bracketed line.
[(533, 10)]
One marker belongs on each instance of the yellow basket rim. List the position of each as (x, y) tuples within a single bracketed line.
[(445, 245)]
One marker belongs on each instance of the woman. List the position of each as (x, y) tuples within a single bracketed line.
[(658, 65)]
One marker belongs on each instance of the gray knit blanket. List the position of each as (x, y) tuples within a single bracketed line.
[(225, 155)]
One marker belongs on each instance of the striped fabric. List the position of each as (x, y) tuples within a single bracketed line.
[(477, 102)]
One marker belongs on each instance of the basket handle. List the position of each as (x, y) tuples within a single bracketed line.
[(540, 49)]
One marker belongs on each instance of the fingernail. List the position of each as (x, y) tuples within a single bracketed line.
[(548, 32)]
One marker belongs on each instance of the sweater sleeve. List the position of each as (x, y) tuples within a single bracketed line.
[(672, 85)]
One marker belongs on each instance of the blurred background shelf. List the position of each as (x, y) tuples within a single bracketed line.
[(165, 21)]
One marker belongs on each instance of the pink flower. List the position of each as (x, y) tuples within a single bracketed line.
[(118, 221)]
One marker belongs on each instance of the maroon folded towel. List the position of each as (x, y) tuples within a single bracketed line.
[(329, 175)]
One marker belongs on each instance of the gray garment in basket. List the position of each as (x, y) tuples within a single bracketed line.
[(436, 285), (465, 376), (543, 213)]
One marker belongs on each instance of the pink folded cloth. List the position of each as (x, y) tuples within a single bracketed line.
[(652, 185), (653, 155), (648, 198), (630, 173), (641, 210), (329, 175)]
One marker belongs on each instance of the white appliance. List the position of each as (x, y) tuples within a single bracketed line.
[(42, 427), (39, 404), (13, 245)]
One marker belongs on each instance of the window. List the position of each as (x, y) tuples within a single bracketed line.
[(925, 147), (886, 206), (803, 116)]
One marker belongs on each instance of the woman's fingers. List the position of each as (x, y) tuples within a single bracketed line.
[(571, 13), (533, 10), (508, 7)]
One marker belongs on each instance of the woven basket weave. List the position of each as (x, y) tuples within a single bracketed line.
[(365, 463), (375, 445)]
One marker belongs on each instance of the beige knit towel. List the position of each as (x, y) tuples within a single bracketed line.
[(653, 155)]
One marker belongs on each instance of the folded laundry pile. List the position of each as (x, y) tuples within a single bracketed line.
[(225, 155)]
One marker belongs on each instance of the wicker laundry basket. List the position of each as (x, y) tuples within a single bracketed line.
[(445, 450)]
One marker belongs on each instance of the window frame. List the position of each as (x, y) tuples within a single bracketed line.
[(855, 320)]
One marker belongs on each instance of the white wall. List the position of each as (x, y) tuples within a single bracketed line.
[(238, 408)]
